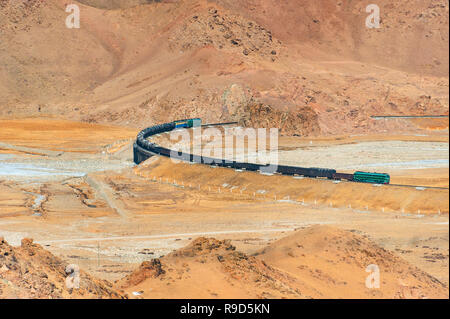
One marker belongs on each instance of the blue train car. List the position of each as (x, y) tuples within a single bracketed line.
[(377, 178), (188, 123)]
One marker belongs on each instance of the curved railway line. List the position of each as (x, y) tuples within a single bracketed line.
[(144, 149), (418, 186)]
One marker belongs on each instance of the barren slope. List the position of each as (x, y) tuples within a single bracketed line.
[(29, 271), (309, 68), (334, 262), (412, 36), (208, 268), (251, 184), (318, 262)]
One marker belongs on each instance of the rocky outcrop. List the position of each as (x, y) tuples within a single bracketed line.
[(29, 271)]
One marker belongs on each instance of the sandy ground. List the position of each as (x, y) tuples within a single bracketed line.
[(109, 221)]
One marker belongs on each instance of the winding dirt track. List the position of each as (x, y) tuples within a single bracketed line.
[(106, 193), (30, 150), (168, 236)]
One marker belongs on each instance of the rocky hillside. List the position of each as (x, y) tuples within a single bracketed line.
[(308, 67), (316, 262), (208, 268), (29, 271), (336, 263)]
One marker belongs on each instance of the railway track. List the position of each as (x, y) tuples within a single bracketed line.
[(220, 124), (419, 186), (379, 117)]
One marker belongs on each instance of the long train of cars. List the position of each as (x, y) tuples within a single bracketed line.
[(143, 149)]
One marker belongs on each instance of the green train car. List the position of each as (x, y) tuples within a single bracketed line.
[(374, 178), (188, 123)]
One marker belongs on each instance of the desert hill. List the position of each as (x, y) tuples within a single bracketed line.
[(334, 262), (337, 28), (29, 271), (317, 262), (208, 268), (308, 67)]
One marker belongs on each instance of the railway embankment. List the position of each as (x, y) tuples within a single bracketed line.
[(304, 191)]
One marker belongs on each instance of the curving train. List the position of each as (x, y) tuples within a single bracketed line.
[(143, 149)]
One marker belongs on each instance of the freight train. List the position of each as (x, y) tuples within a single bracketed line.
[(143, 149)]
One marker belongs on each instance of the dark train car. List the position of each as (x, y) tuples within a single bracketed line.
[(246, 166), (343, 176), (323, 172), (212, 161), (140, 154), (306, 171)]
